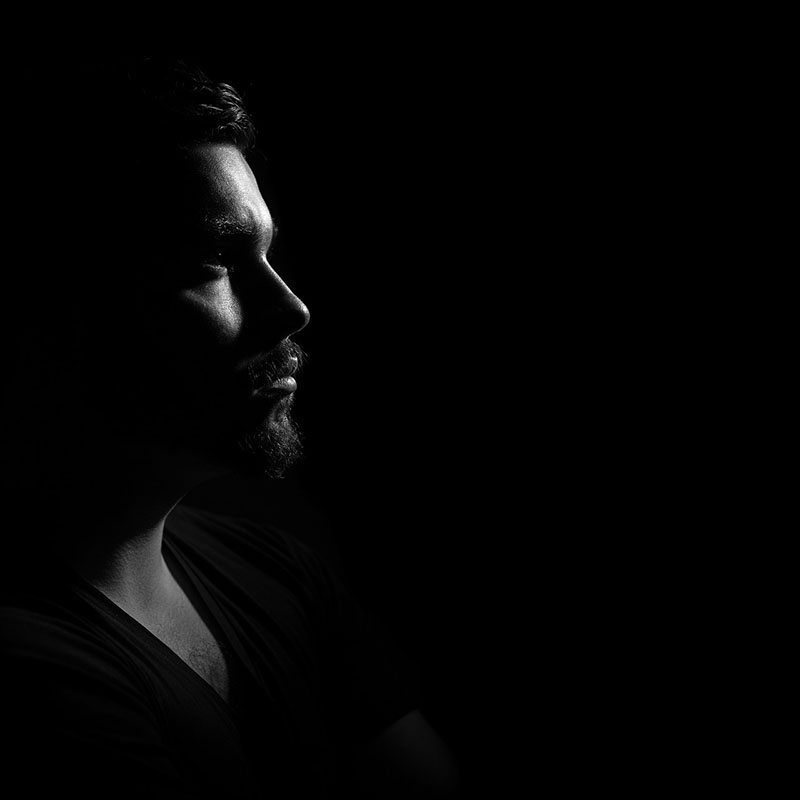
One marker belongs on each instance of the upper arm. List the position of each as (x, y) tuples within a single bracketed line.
[(407, 760)]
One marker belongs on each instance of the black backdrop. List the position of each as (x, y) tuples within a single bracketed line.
[(480, 219), (485, 221)]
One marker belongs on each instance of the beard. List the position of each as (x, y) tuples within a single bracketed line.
[(268, 446), (230, 422), (272, 448)]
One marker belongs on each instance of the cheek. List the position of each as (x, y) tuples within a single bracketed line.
[(207, 317), (194, 325), (187, 352), (193, 350), (164, 340)]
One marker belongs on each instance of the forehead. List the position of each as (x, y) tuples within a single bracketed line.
[(215, 182)]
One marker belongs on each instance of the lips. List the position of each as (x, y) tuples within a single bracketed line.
[(272, 376), (285, 383)]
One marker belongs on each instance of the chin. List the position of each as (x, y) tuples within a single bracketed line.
[(270, 451), (251, 445)]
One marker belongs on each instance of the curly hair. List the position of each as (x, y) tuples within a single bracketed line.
[(144, 100), (185, 106)]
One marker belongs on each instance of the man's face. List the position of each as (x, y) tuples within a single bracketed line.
[(193, 353)]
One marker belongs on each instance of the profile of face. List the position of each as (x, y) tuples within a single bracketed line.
[(187, 346)]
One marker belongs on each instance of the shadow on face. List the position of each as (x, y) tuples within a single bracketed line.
[(158, 318)]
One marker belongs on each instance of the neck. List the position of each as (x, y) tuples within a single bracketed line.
[(111, 521), (118, 549)]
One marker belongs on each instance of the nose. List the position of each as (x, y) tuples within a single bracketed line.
[(275, 312), (295, 313)]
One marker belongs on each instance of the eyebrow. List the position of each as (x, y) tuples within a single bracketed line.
[(220, 227)]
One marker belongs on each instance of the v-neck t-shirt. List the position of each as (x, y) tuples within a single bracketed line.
[(96, 705)]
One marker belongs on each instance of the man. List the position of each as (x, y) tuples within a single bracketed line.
[(150, 648)]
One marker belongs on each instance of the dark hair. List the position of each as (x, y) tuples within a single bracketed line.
[(153, 102), (188, 107)]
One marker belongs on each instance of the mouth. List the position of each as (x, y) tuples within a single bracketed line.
[(271, 379), (283, 385)]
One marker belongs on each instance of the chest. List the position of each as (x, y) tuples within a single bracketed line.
[(203, 653), (191, 638)]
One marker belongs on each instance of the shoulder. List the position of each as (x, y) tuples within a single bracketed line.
[(78, 710), (61, 681), (48, 646), (56, 635)]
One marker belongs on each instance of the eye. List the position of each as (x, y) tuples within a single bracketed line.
[(216, 261)]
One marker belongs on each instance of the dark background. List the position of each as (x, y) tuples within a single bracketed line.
[(494, 227), (389, 177)]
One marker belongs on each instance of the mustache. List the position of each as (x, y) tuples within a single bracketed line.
[(284, 360)]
